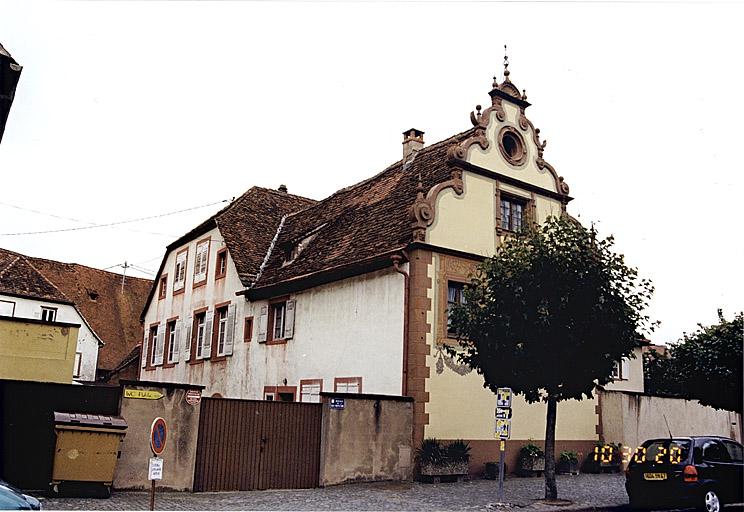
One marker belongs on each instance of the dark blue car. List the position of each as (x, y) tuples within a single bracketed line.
[(13, 499), (704, 472)]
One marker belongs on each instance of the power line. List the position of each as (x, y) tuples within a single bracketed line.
[(80, 228)]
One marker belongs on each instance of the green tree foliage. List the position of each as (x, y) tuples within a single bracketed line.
[(705, 365), (549, 316)]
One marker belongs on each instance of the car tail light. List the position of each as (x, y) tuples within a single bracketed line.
[(690, 474)]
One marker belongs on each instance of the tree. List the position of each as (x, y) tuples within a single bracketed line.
[(549, 315), (705, 365)]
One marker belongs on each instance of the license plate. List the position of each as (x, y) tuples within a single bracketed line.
[(654, 476)]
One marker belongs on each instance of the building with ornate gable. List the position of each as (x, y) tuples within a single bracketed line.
[(279, 297)]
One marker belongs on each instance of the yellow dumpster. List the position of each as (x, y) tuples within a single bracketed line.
[(86, 451)]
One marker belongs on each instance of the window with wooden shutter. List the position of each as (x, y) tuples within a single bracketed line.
[(263, 321), (171, 348), (143, 352), (188, 339), (160, 343), (248, 329), (200, 328), (200, 262), (289, 320), (625, 368), (310, 390), (207, 340), (152, 351), (220, 329), (179, 276), (230, 336), (347, 384), (176, 341)]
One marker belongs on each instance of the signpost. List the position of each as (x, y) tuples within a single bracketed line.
[(502, 430), (158, 436)]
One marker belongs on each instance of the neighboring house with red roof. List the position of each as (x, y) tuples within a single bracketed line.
[(51, 290), (280, 297)]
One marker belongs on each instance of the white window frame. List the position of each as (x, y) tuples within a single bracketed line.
[(200, 333), (179, 276), (346, 385), (46, 312), (275, 308), (171, 333), (153, 344), (221, 331)]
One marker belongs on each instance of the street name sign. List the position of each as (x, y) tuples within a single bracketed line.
[(143, 394)]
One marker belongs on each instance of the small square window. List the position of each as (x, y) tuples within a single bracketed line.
[(48, 314), (347, 384), (248, 329), (220, 269)]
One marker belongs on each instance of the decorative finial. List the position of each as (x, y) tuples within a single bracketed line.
[(478, 109), (495, 82), (420, 187), (506, 65), (524, 94)]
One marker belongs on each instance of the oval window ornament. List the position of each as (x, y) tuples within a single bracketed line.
[(512, 146)]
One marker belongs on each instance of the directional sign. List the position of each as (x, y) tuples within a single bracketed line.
[(503, 429), (146, 394), (155, 469), (503, 413), (337, 403), (504, 397), (158, 435)]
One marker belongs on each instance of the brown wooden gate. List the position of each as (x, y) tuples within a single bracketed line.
[(248, 444)]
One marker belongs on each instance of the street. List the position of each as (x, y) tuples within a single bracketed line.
[(586, 491)]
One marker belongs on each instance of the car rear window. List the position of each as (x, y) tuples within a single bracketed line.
[(665, 452)]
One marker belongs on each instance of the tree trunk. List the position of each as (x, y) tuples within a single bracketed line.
[(551, 491)]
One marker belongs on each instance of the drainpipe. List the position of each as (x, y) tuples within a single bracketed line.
[(397, 259)]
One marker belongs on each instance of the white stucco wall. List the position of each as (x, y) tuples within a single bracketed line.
[(634, 380), (87, 343), (349, 328)]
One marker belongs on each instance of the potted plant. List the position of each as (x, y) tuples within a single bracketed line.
[(568, 463), (437, 462), (531, 460), (605, 458)]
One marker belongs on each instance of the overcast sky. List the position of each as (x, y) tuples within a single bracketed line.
[(135, 109)]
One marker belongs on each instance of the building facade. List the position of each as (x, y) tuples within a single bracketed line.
[(351, 293)]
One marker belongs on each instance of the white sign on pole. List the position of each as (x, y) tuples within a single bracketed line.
[(155, 469), (503, 414), (504, 397)]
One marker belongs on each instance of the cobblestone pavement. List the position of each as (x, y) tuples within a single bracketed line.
[(597, 491)]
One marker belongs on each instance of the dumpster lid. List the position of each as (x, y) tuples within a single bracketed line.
[(89, 420)]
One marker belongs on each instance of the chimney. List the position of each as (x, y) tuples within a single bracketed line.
[(283, 188), (413, 140)]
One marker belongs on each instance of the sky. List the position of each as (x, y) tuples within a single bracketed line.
[(127, 110)]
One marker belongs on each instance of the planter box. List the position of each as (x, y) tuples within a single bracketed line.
[(531, 466), (592, 466), (431, 473), (492, 471), (565, 467)]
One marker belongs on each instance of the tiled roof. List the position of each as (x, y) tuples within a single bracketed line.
[(112, 312), (19, 277), (249, 224), (360, 222)]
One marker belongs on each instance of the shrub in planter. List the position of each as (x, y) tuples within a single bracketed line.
[(568, 463), (437, 460), (531, 460)]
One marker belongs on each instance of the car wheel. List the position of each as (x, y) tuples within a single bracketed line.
[(712, 501)]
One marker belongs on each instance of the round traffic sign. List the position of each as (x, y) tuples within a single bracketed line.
[(158, 435)]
